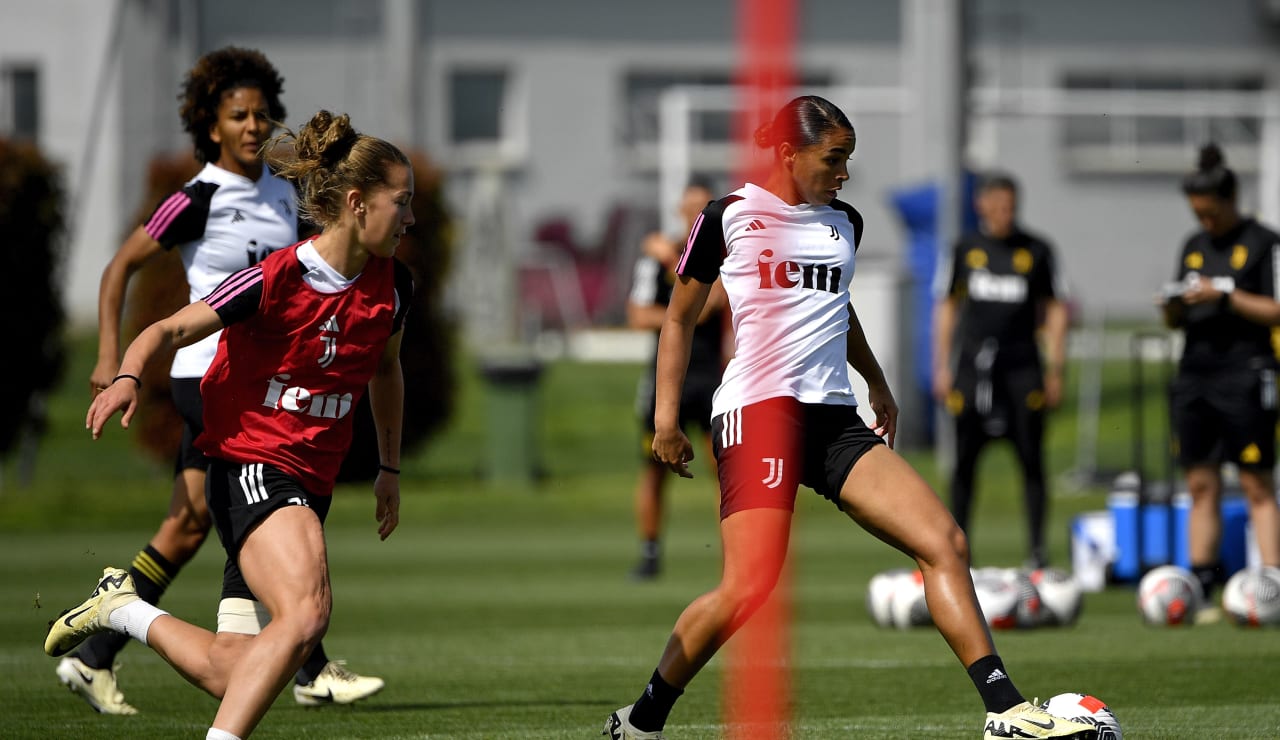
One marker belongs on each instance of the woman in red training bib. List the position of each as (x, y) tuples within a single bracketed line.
[(307, 330)]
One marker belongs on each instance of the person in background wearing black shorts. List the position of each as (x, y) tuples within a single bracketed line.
[(1002, 288), (1223, 400), (652, 281)]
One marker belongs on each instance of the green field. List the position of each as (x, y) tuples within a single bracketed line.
[(503, 611)]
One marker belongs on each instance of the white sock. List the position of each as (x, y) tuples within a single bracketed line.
[(134, 619), (216, 734)]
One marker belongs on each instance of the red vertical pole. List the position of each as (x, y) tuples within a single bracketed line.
[(757, 692)]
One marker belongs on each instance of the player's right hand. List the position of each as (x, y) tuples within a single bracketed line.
[(673, 449), (116, 396)]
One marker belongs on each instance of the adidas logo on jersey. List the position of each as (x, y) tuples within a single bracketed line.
[(756, 225), (790, 274)]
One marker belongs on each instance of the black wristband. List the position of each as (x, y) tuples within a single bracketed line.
[(388, 469), (134, 378), (1225, 300)]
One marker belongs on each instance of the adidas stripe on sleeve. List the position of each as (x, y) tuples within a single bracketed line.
[(238, 297), (181, 217), (705, 251)]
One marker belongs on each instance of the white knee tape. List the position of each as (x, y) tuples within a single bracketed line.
[(242, 616)]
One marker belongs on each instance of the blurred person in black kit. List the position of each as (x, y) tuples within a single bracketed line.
[(1223, 400), (1000, 291), (652, 281)]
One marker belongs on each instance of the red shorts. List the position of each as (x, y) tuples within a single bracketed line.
[(766, 450)]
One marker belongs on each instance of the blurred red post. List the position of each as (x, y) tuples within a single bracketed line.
[(757, 686)]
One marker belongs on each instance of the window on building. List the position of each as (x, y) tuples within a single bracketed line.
[(1160, 119), (476, 102), (19, 102)]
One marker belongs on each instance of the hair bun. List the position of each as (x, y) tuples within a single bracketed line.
[(764, 135), (326, 138), (1210, 158)]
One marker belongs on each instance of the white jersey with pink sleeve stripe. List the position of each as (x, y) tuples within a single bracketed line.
[(786, 270), (222, 222)]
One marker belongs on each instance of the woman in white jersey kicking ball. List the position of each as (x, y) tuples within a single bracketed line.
[(785, 415)]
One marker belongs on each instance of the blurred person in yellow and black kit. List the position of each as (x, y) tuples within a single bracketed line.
[(1223, 400), (1001, 292)]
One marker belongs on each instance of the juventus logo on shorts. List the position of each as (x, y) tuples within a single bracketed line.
[(774, 477)]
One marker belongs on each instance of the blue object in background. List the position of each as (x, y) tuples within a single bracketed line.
[(917, 206), (1123, 506)]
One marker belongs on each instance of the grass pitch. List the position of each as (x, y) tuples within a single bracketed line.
[(503, 611)]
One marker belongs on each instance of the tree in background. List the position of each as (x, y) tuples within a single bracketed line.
[(160, 287), (31, 227)]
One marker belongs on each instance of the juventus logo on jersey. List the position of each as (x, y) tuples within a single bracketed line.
[(773, 478), (328, 332), (834, 234)]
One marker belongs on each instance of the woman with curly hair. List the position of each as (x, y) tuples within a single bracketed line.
[(229, 216), (307, 330)]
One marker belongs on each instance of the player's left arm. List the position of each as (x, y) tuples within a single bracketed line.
[(879, 397), (1054, 337), (386, 401), (188, 325), (1260, 307)]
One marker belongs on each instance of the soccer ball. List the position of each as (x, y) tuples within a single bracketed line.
[(908, 608), (1059, 593), (1169, 595), (1085, 708), (997, 596), (1031, 611), (1252, 597), (880, 592)]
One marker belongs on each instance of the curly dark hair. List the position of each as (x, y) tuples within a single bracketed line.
[(214, 74)]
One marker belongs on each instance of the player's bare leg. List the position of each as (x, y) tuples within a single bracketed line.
[(284, 563), (1264, 514), (186, 526), (888, 498), (754, 548)]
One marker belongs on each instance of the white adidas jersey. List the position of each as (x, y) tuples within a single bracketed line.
[(786, 270), (222, 222)]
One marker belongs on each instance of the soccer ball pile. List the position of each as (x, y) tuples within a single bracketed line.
[(1085, 708), (1009, 598)]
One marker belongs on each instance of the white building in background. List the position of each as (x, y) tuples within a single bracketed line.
[(549, 110)]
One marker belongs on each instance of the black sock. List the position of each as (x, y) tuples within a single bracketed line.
[(1207, 575), (649, 550), (314, 665), (993, 684), (649, 714), (152, 573)]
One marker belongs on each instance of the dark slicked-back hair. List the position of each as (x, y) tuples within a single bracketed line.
[(1211, 176), (212, 76), (802, 122)]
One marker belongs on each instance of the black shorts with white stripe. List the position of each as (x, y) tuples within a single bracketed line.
[(240, 495)]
